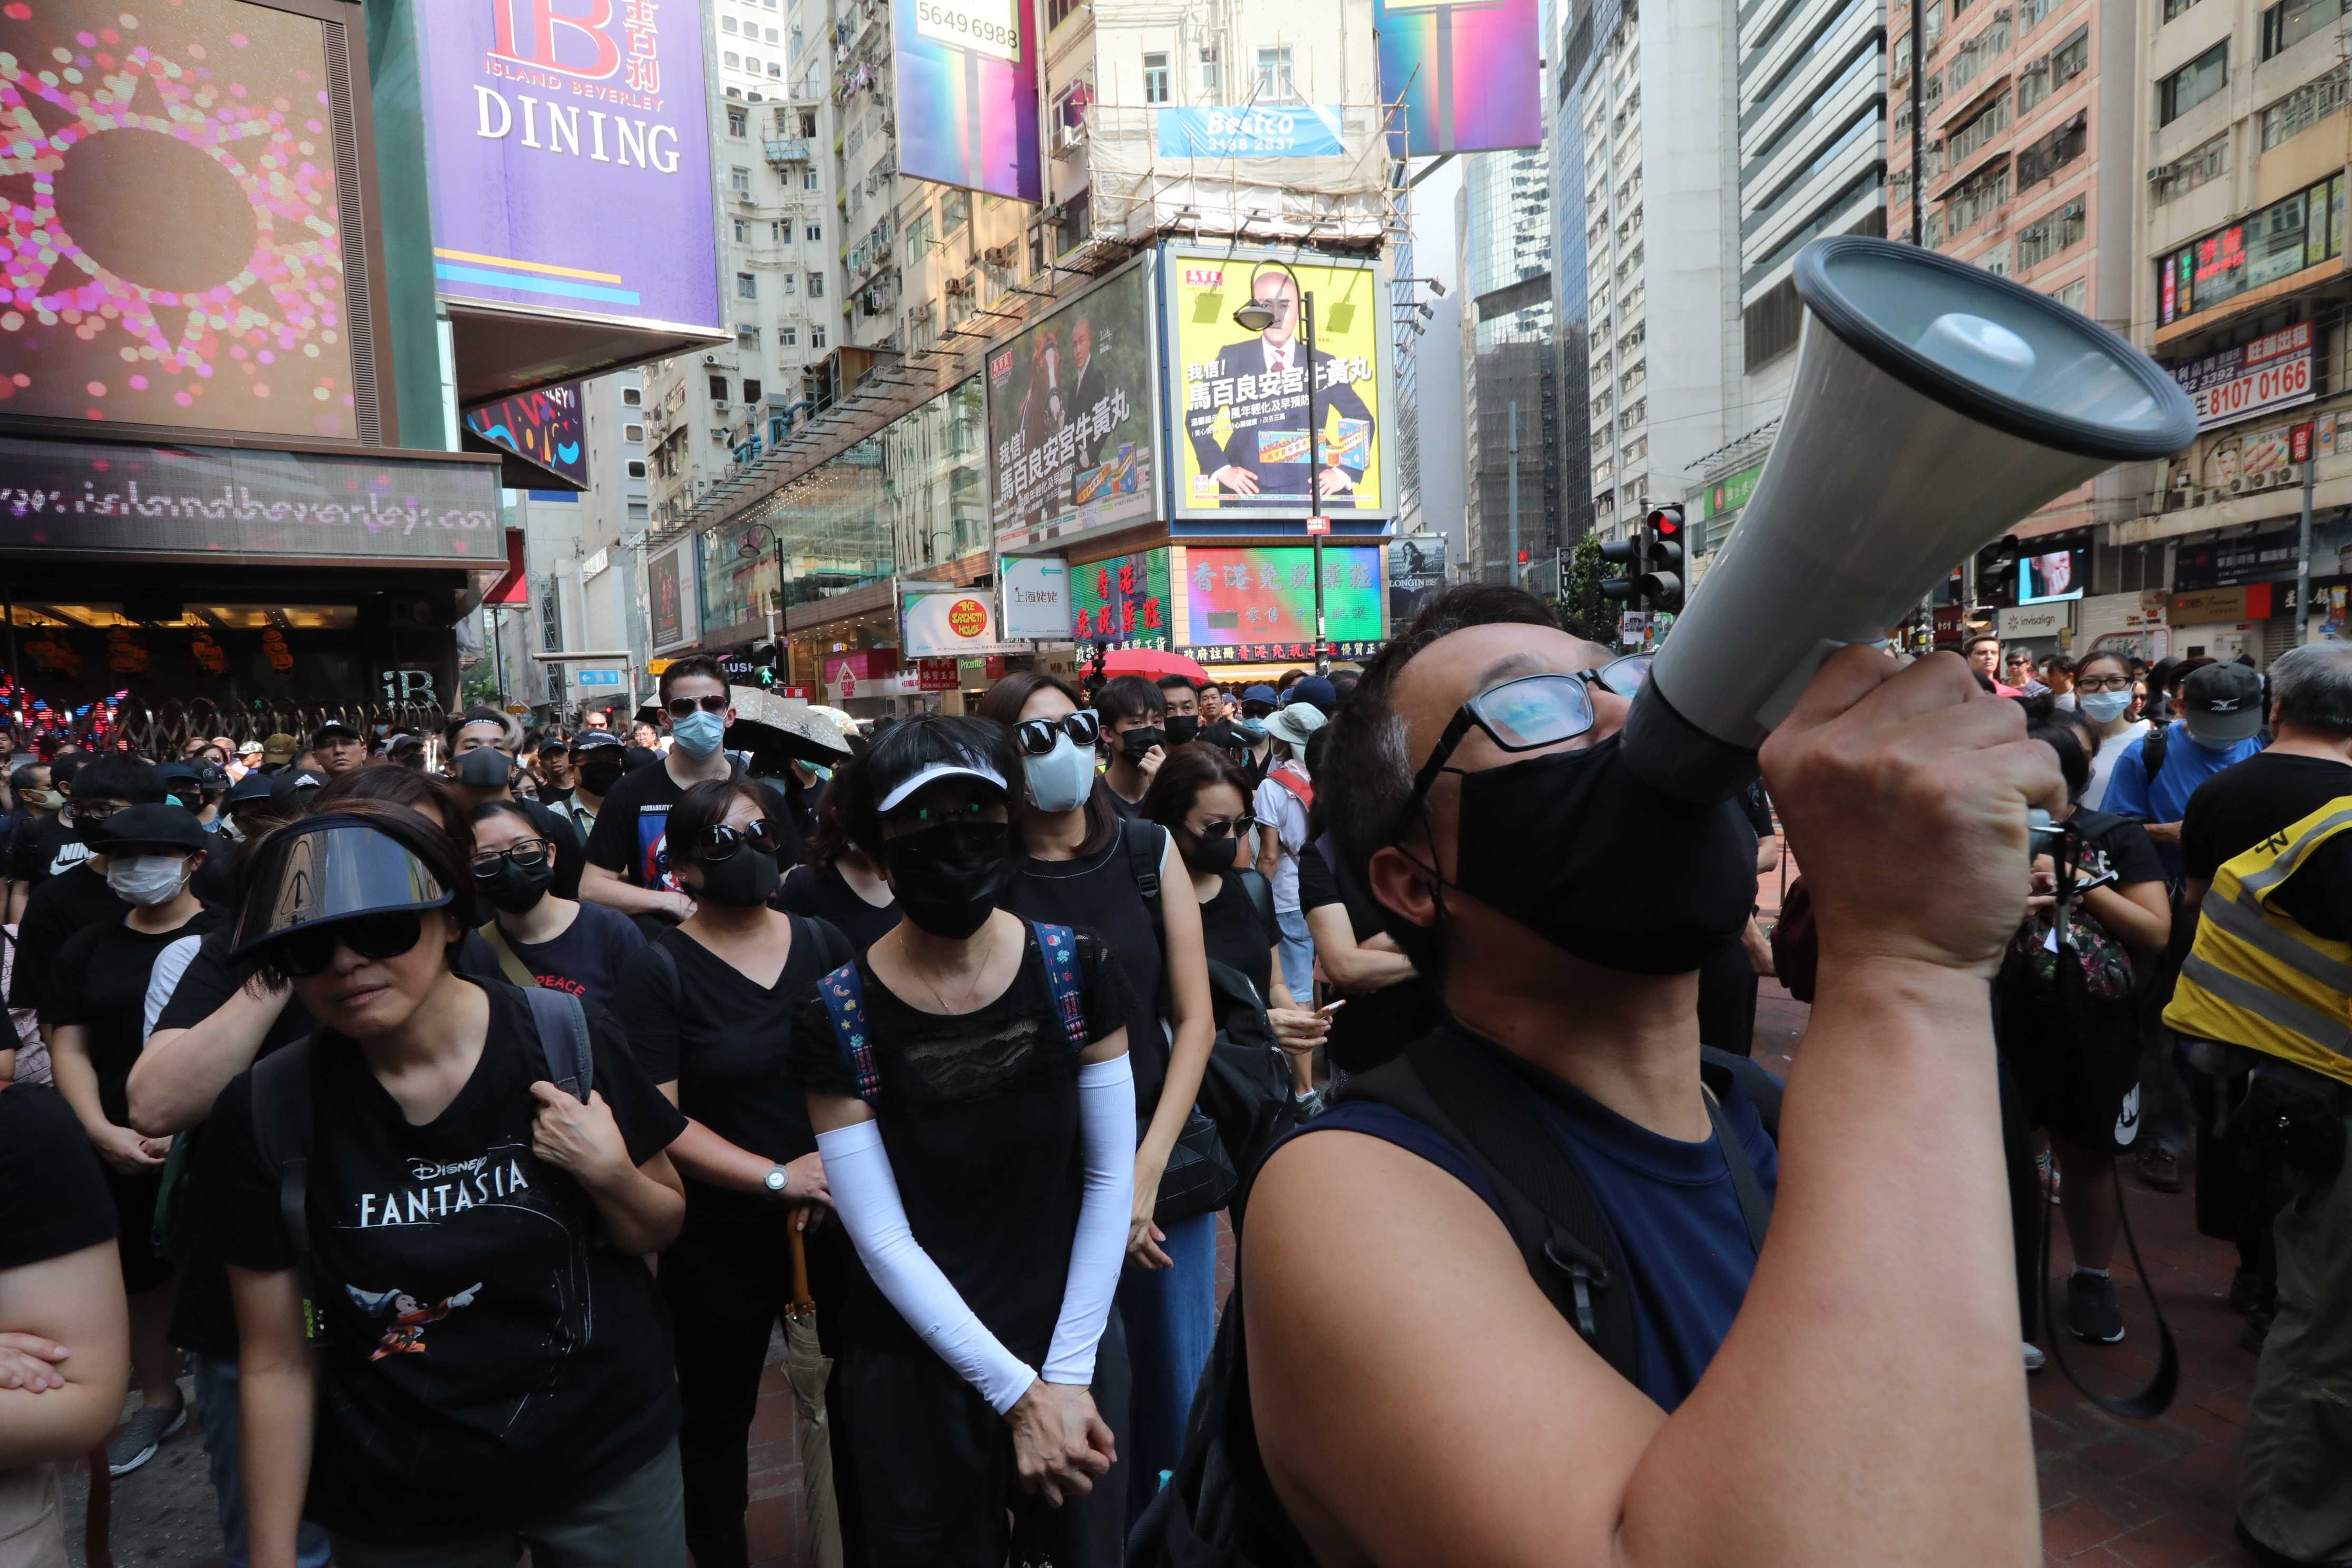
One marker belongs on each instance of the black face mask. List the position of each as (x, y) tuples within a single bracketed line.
[(598, 778), (744, 879), (1557, 842), (1211, 856), (517, 890), (949, 877), (1135, 743), (483, 768), (1182, 727)]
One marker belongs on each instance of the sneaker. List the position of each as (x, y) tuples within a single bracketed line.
[(141, 1437), (2035, 1360), (2091, 1310), (2159, 1167)]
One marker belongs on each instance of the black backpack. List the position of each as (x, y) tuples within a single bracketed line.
[(282, 1116), (1218, 1510)]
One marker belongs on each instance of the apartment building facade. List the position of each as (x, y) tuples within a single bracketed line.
[(1512, 410)]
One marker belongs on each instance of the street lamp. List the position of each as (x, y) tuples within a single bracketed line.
[(1255, 317), (748, 549)]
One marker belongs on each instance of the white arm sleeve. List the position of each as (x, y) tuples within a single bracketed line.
[(1107, 1131), (865, 1196)]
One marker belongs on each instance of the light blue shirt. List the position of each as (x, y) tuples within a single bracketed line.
[(2187, 765)]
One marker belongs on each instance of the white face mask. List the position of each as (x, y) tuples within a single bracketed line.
[(1063, 778), (146, 880), (2103, 707)]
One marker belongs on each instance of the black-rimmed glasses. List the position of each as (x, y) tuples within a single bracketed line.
[(527, 853), (684, 707), (1530, 713), (1036, 736)]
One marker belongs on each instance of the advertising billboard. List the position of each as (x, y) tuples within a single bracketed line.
[(1244, 395), (2272, 372), (1122, 602), (548, 427), (559, 137), (967, 98), (1468, 71), (174, 224), (1297, 131), (1036, 590), (669, 597), (1416, 572), (942, 621), (2054, 574), (1072, 435), (1242, 598)]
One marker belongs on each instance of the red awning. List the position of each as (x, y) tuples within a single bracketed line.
[(510, 588)]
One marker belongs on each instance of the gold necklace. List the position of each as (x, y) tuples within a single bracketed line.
[(971, 994)]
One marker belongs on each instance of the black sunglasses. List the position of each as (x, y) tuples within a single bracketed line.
[(684, 707), (527, 854), (719, 842), (1530, 713), (1210, 833), (308, 952), (1036, 735)]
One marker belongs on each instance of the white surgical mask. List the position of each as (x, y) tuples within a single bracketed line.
[(146, 880), (1063, 778), (2103, 707)]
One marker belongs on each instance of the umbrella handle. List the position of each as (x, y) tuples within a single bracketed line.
[(801, 1301)]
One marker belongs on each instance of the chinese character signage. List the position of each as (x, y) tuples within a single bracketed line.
[(1070, 418), (1123, 602), (967, 99), (1243, 396), (2273, 372), (1468, 71), (173, 223), (1731, 494), (1297, 131), (559, 135), (1239, 597), (546, 427)]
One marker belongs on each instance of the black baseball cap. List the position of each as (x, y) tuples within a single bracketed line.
[(334, 728), (2222, 704), (251, 788), (152, 826), (593, 740), (171, 773)]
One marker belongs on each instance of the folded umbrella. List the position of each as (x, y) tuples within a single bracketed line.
[(806, 1367)]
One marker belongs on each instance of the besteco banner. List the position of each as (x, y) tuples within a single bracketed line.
[(559, 136), (1243, 395), (1305, 130), (1469, 74), (2273, 371), (967, 100), (1070, 427)]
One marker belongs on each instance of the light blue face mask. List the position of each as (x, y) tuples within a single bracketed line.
[(2103, 707), (1063, 778), (699, 733), (1254, 726)]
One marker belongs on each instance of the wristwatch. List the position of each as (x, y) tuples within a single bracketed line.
[(775, 1183)]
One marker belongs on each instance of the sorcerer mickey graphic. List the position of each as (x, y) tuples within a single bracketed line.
[(406, 1334)]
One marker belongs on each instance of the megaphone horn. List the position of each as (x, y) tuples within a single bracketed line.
[(1933, 406)]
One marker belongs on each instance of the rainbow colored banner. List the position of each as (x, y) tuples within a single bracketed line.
[(967, 98), (1469, 73)]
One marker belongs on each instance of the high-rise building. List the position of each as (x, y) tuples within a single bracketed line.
[(1657, 131), (1572, 24), (1511, 415)]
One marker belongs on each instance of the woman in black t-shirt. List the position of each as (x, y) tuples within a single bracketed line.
[(1201, 797), (968, 1080), (541, 937), (839, 883), (707, 1009), (2065, 1021), (494, 1371)]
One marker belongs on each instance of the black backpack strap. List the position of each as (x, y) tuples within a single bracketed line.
[(1719, 1069), (2152, 747), (562, 1026), (833, 945), (1145, 843), (1755, 1205), (281, 1132), (1260, 893)]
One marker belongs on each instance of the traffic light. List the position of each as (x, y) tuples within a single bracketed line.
[(1662, 584), (1625, 555), (770, 655)]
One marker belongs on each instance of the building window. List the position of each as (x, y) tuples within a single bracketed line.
[(2032, 84), (742, 231), (2051, 235), (738, 180), (791, 284), (1972, 201), (718, 389), (1058, 12), (634, 433), (732, 58), (1770, 325), (746, 337), (1931, 23), (816, 337), (2193, 83), (2053, 153), (1969, 61), (738, 120), (746, 286), (1275, 82), (2290, 22), (1155, 77), (788, 337), (918, 237), (2208, 160), (2075, 296), (776, 69), (751, 62), (637, 468), (2302, 230), (1211, 82), (632, 398), (2304, 108), (1978, 132), (751, 390), (808, 178), (2070, 58), (773, 35), (813, 233), (955, 211), (817, 285), (727, 25), (1995, 259), (2177, 7), (2031, 14)]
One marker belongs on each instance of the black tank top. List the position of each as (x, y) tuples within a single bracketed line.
[(1098, 893)]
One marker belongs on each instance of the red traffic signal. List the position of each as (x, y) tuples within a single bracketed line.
[(1665, 521), (1523, 557)]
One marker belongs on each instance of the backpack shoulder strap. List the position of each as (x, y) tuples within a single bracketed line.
[(562, 1027), (844, 994), (1144, 842), (1719, 1069), (2152, 747), (1260, 893), (1058, 946), (511, 963), (281, 1132), (834, 947)]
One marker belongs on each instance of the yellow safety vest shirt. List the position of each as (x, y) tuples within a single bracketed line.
[(2257, 978)]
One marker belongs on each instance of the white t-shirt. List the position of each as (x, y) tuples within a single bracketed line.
[(2103, 766), (1280, 810)]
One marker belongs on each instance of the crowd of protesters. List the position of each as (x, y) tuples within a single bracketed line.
[(471, 1111)]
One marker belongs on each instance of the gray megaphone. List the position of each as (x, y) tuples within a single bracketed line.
[(1935, 405)]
